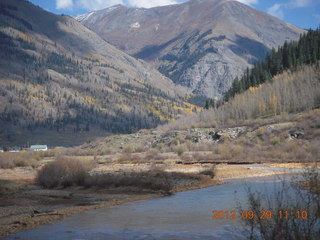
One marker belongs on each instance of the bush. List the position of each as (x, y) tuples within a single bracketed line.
[(237, 150), (143, 180), (128, 149), (140, 149), (261, 131), (155, 180), (211, 172), (63, 172), (275, 140), (286, 199), (6, 161), (224, 151), (179, 150), (151, 155)]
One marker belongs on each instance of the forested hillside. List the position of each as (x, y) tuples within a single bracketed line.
[(290, 56), (287, 81), (59, 80)]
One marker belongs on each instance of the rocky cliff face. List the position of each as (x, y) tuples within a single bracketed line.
[(201, 44)]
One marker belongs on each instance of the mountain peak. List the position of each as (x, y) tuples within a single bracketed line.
[(200, 44)]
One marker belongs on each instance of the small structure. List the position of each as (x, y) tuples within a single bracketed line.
[(39, 147)]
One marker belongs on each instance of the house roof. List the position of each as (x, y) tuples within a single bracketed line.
[(38, 146)]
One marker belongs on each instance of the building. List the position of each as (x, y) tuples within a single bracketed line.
[(39, 147)]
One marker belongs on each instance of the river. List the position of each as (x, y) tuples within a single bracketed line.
[(184, 215)]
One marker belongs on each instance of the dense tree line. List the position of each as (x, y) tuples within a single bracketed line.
[(289, 56), (290, 92)]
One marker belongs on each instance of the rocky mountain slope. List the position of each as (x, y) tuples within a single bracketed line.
[(63, 84), (200, 44)]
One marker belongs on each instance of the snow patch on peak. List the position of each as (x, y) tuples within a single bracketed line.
[(83, 17), (109, 9), (135, 25)]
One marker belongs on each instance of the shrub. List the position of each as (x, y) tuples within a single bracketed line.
[(295, 199), (188, 137), (261, 131), (236, 150), (6, 161), (202, 147), (19, 159), (179, 150), (275, 140), (143, 180), (63, 172), (155, 180), (24, 159), (140, 149), (151, 155), (177, 141), (187, 157), (211, 172), (224, 138), (128, 149), (224, 151)]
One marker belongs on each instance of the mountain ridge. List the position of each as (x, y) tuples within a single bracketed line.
[(59, 78), (202, 45)]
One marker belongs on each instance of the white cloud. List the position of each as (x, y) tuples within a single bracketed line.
[(248, 2), (300, 3), (150, 3), (100, 4), (277, 10), (64, 4), (97, 4)]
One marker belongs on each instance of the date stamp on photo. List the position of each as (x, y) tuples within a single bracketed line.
[(263, 214)]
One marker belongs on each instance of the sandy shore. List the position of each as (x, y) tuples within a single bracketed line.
[(33, 206)]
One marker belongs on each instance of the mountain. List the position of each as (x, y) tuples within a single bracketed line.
[(200, 44), (61, 84)]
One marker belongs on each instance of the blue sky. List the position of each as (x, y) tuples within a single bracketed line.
[(302, 13)]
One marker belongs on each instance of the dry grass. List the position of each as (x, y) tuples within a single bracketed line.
[(9, 187), (19, 159), (232, 172)]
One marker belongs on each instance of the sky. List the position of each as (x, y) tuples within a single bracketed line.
[(302, 13)]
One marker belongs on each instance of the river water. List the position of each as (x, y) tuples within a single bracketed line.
[(184, 215)]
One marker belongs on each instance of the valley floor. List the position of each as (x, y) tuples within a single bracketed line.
[(150, 164)]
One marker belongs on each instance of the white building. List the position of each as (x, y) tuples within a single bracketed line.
[(39, 147)]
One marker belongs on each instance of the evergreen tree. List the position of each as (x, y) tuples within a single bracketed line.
[(290, 55)]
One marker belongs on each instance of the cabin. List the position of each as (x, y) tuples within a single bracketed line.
[(39, 147)]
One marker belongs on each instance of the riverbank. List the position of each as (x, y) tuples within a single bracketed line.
[(31, 206)]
